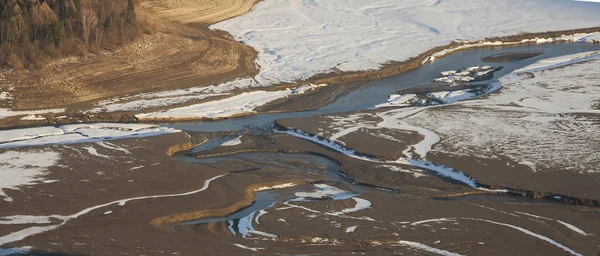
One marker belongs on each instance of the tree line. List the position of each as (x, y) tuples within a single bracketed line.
[(33, 31)]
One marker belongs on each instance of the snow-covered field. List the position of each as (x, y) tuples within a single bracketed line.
[(545, 116), (324, 36)]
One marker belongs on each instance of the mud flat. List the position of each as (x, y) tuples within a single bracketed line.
[(403, 225), (124, 168), (352, 169), (392, 212), (133, 172)]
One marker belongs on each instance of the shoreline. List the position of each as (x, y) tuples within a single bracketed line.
[(337, 81)]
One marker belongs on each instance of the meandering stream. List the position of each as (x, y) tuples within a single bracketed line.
[(363, 98)]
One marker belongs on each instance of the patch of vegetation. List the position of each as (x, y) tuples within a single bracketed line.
[(33, 31)]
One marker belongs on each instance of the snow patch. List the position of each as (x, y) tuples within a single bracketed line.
[(538, 236), (92, 151), (19, 169), (233, 142), (520, 229), (246, 229), (427, 248), (112, 146), (532, 215), (241, 104), (25, 219), (361, 204), (280, 186), (78, 133), (248, 248), (351, 229), (393, 168), (33, 118), (401, 100), (325, 191), (5, 96), (573, 227)]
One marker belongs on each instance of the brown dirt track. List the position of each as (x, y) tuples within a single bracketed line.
[(201, 11)]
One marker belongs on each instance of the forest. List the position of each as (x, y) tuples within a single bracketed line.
[(35, 31)]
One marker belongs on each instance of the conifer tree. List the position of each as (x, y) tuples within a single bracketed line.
[(130, 18)]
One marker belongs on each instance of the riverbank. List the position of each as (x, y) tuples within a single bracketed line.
[(338, 85)]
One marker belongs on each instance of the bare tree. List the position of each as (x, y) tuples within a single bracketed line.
[(107, 13), (130, 15), (89, 21)]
